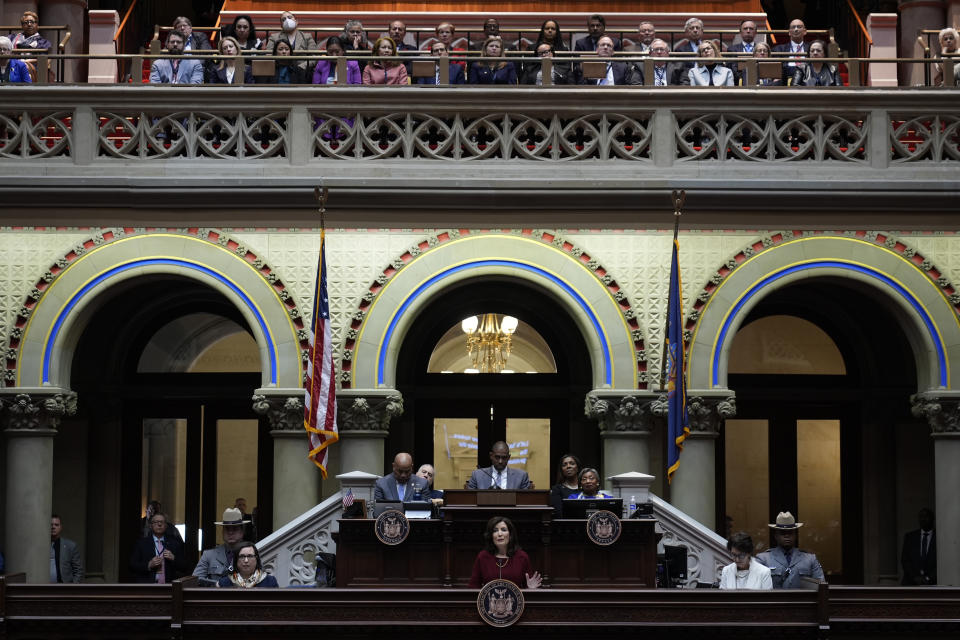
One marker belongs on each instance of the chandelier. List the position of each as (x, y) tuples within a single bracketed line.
[(488, 341)]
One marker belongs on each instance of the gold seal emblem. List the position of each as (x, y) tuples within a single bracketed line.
[(392, 527), (500, 603), (603, 528)]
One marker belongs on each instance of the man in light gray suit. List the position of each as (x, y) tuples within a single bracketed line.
[(176, 70), (215, 562), (401, 485), (498, 475), (65, 563), (788, 565)]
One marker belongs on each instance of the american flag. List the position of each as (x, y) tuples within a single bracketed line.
[(348, 498), (320, 401)]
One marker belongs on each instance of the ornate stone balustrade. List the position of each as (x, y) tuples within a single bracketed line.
[(560, 148)]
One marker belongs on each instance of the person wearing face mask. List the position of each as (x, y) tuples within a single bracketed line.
[(291, 34)]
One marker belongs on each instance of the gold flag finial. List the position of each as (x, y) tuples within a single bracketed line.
[(320, 194)]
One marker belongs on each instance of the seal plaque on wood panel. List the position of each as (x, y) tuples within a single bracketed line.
[(500, 603), (392, 527), (603, 528)]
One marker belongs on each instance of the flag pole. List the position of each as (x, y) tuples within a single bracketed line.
[(320, 194), (679, 197)]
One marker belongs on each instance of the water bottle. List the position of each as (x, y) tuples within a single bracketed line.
[(632, 509)]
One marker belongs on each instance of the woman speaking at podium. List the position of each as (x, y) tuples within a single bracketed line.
[(503, 558)]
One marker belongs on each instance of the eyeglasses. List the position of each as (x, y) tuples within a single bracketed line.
[(544, 52), (28, 21), (247, 556), (660, 50), (739, 556)]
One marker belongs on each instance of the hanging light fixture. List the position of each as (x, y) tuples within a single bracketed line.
[(488, 341)]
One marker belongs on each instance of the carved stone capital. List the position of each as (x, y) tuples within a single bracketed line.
[(706, 413), (626, 413), (285, 413), (941, 413), (37, 411), (369, 413)]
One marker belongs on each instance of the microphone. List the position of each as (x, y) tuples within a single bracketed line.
[(492, 477)]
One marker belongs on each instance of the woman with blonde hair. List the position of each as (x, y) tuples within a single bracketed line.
[(382, 70), (493, 71), (225, 71), (710, 74), (948, 47)]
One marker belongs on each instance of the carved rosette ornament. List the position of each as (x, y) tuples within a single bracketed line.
[(706, 414), (370, 413), (285, 413), (624, 414), (26, 412), (942, 414)]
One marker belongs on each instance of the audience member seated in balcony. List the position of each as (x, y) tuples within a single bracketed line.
[(493, 71), (176, 70), (589, 481), (288, 69), (618, 73), (948, 46), (491, 29), (667, 73), (382, 70), (533, 69), (550, 34), (356, 36), (326, 70), (746, 44), (248, 572), (398, 33), (710, 74), (191, 41), (29, 37), (245, 33), (762, 50), (597, 27), (439, 50), (646, 34), (11, 69), (295, 39), (446, 33), (797, 45), (567, 481), (224, 71), (692, 34), (816, 74), (744, 572), (502, 557)]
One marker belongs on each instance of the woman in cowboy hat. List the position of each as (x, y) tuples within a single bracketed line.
[(790, 567)]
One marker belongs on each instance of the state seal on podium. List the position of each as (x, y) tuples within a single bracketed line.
[(500, 603), (392, 527), (603, 528)]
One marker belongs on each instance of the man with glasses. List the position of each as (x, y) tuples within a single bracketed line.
[(646, 34), (159, 557), (439, 50), (533, 69), (667, 73), (29, 36)]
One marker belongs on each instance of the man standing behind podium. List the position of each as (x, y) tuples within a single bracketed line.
[(498, 475), (401, 485)]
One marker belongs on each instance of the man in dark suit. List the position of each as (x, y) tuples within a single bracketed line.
[(439, 50), (498, 475), (159, 557), (597, 26), (666, 73), (401, 485), (919, 555), (748, 34), (398, 33), (618, 73), (798, 32), (65, 563)]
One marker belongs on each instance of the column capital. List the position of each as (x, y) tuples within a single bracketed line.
[(369, 412), (625, 413), (707, 412), (285, 412), (940, 410), (37, 411)]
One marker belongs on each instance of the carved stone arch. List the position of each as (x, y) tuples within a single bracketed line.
[(925, 302), (53, 315), (601, 309)]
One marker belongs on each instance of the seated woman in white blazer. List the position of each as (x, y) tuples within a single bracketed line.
[(711, 74), (744, 572)]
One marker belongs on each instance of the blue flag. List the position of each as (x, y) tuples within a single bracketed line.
[(678, 424)]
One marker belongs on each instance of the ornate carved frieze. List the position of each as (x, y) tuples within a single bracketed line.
[(627, 413), (706, 414), (941, 413), (26, 412), (368, 413), (285, 413)]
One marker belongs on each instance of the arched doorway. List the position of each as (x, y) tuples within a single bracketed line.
[(494, 402), (165, 369), (823, 373)]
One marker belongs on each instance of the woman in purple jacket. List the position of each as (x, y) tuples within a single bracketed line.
[(326, 70)]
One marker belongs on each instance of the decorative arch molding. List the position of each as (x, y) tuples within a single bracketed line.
[(924, 300), (592, 295), (53, 315)]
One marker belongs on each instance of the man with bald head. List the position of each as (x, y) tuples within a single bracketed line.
[(401, 485)]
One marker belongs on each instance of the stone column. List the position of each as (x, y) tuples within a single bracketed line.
[(625, 425), (693, 489), (915, 15), (296, 479), (70, 13), (30, 423), (942, 412), (103, 25), (364, 418), (883, 32), (953, 14)]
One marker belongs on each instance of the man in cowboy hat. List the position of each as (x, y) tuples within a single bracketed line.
[(215, 562), (789, 565)]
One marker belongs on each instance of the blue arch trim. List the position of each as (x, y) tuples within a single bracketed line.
[(601, 335), (106, 275), (820, 264)]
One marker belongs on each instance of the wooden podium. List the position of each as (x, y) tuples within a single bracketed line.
[(440, 552)]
